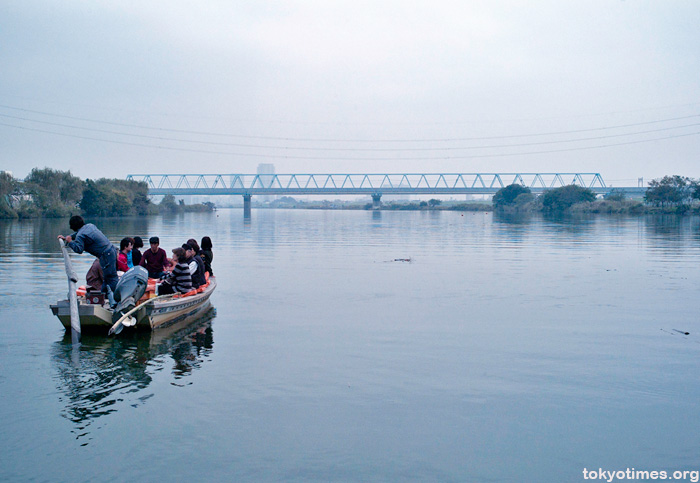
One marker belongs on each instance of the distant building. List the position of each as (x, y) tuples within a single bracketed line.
[(266, 172)]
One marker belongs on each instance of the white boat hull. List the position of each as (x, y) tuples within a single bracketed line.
[(151, 316)]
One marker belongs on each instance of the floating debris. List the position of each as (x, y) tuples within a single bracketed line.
[(675, 330)]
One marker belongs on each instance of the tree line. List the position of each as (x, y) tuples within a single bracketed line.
[(54, 194), (670, 194)]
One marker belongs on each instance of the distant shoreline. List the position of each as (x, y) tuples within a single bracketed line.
[(624, 207)]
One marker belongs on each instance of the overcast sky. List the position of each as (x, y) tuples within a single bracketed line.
[(110, 88)]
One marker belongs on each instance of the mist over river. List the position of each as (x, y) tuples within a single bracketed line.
[(366, 346)]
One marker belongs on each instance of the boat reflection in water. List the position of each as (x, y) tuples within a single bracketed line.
[(103, 374)]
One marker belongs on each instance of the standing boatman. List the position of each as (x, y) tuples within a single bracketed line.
[(89, 238)]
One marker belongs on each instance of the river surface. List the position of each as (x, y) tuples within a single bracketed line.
[(367, 346)]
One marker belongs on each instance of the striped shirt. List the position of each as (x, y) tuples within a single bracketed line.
[(180, 278)]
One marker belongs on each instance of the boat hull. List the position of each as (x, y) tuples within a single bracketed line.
[(151, 316)]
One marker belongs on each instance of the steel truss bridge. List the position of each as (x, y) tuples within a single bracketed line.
[(365, 184), (374, 185)]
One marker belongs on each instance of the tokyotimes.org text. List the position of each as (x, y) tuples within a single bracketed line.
[(631, 474)]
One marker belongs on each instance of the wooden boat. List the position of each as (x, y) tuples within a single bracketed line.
[(97, 316)]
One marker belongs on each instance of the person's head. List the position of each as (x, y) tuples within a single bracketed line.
[(76, 222), (154, 241), (138, 242), (126, 244), (189, 251), (206, 243), (193, 243), (178, 254)]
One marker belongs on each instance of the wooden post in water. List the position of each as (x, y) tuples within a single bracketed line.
[(72, 296)]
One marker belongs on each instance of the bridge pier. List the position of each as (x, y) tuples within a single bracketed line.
[(376, 201), (246, 204)]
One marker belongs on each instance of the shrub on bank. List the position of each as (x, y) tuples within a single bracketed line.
[(631, 207), (512, 196), (53, 194), (107, 198), (615, 195), (47, 192), (562, 199), (674, 191)]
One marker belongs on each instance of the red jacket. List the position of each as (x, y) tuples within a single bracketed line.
[(121, 262)]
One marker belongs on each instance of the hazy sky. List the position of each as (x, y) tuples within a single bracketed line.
[(110, 88)]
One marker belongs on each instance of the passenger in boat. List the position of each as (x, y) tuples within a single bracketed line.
[(179, 280), (94, 277), (129, 260), (197, 256), (136, 251), (124, 248), (195, 263), (195, 246), (89, 238), (155, 260), (207, 254)]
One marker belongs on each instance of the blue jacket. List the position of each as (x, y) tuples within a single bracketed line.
[(91, 240)]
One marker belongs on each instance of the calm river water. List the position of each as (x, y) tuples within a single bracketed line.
[(505, 349)]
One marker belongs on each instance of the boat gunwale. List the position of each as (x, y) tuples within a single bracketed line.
[(145, 315)]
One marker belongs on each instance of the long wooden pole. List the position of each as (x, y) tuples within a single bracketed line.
[(72, 296)]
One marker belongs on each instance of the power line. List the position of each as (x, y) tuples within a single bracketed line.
[(170, 148), (169, 115), (298, 148), (335, 140)]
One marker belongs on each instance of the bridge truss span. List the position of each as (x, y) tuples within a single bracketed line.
[(371, 184)]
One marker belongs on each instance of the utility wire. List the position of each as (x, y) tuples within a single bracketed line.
[(298, 148), (170, 148), (170, 115), (335, 140)]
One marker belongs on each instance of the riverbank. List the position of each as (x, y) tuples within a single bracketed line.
[(47, 193), (602, 206)]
